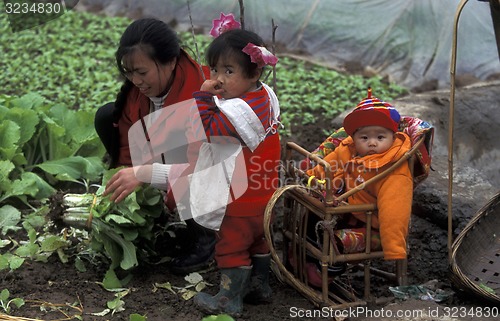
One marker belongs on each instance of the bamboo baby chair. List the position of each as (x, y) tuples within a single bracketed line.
[(300, 202)]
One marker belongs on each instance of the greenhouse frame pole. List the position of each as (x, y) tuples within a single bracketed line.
[(450, 124)]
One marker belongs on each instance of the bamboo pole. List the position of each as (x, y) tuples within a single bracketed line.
[(451, 121)]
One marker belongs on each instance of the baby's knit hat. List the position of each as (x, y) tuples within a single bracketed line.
[(372, 111)]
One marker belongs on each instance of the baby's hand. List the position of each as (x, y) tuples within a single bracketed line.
[(212, 86)]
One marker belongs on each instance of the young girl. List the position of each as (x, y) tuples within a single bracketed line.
[(233, 103)]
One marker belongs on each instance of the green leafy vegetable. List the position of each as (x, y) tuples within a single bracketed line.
[(9, 218), (118, 229), (5, 303), (42, 144)]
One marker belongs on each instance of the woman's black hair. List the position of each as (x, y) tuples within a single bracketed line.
[(231, 43), (155, 38)]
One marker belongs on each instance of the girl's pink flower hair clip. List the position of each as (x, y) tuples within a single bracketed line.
[(223, 24), (260, 55)]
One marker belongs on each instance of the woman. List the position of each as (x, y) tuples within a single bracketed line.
[(158, 73)]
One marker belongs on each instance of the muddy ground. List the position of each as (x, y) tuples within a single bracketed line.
[(48, 287)]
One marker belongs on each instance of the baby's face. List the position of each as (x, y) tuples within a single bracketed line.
[(370, 140)]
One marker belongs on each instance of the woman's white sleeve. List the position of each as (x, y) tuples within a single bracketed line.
[(159, 176)]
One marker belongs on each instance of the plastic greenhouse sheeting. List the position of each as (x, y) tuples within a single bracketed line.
[(409, 40)]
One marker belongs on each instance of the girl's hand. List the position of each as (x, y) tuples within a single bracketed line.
[(212, 86), (122, 184)]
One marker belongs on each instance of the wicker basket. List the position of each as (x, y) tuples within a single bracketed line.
[(475, 258)]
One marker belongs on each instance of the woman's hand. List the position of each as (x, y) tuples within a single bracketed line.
[(122, 184)]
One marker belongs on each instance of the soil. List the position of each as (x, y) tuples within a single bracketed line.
[(57, 291)]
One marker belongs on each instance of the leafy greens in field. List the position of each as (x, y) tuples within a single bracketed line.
[(42, 144), (40, 244), (70, 60), (119, 230)]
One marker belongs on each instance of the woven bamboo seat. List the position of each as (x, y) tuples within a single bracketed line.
[(289, 236)]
